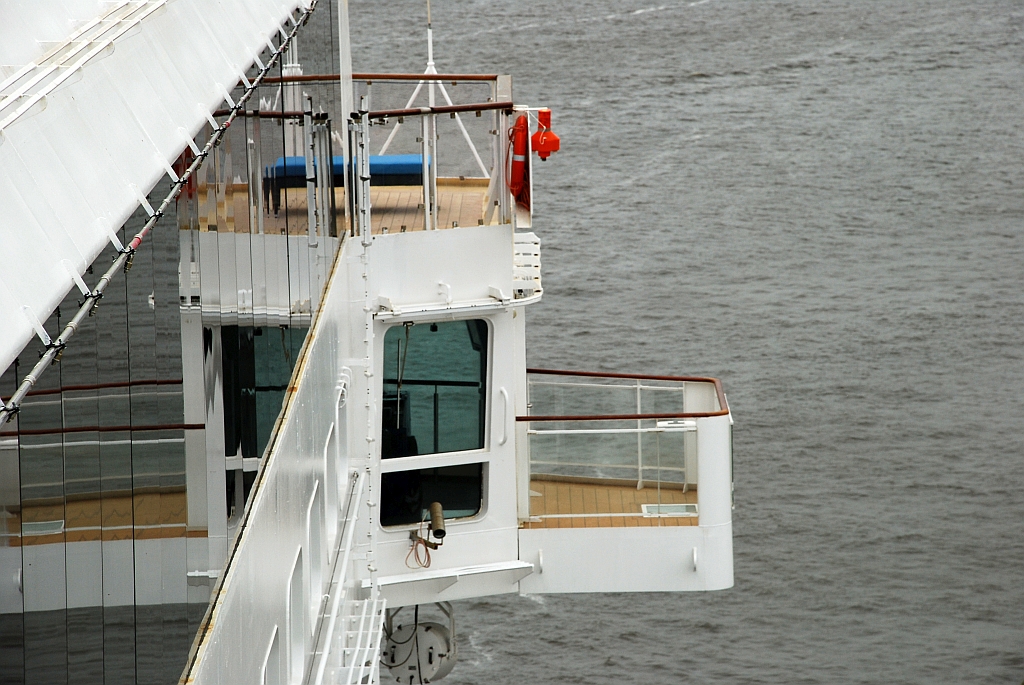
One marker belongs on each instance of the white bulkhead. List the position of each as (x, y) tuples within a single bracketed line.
[(440, 284), (422, 280), (646, 559)]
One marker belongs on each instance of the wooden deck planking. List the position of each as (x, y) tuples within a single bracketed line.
[(461, 202), (564, 506), (586, 502), (107, 517)]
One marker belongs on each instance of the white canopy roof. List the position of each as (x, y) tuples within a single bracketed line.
[(97, 99)]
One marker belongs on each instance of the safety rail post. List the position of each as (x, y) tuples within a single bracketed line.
[(310, 150), (504, 89), (363, 173), (350, 178), (432, 168), (639, 442), (425, 171)]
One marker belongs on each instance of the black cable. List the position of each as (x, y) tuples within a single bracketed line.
[(416, 633), (403, 642), (408, 656)]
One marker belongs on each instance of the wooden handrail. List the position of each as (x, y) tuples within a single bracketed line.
[(99, 386), (633, 417), (314, 78)]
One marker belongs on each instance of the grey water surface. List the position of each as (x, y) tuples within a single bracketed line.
[(821, 204)]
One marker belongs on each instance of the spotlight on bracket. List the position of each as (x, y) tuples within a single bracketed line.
[(437, 521), (435, 528)]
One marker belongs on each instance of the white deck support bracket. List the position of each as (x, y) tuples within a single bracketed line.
[(195, 578), (498, 295), (37, 325), (456, 583), (70, 268)]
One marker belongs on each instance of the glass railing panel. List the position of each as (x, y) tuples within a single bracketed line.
[(612, 450)]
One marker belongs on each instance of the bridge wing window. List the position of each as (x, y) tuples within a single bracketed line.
[(406, 495), (435, 383)]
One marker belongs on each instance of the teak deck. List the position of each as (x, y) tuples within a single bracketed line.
[(144, 516), (586, 503), (460, 203)]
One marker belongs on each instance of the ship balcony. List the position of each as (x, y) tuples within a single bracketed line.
[(629, 471)]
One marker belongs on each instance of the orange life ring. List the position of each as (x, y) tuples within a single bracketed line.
[(518, 168)]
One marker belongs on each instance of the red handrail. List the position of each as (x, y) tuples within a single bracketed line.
[(325, 78), (633, 417), (99, 386), (105, 429)]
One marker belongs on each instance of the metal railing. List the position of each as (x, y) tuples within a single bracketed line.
[(352, 627), (619, 430), (614, 453)]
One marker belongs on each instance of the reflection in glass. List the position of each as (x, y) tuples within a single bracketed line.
[(407, 495), (434, 388)]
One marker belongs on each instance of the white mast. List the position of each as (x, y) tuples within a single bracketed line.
[(431, 69)]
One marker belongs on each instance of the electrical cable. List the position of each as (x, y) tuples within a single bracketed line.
[(393, 641), (420, 541), (419, 668), (402, 356)]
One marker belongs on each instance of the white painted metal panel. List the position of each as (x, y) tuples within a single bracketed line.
[(627, 559), (277, 529), (28, 35), (105, 126), (436, 269), (427, 586), (647, 559)]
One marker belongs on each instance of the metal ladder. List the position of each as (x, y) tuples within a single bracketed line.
[(355, 654)]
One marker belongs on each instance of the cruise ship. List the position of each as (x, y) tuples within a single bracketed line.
[(266, 405)]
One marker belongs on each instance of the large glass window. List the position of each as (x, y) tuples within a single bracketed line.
[(257, 364), (435, 383)]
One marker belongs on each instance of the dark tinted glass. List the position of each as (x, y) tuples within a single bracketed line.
[(434, 388), (407, 495)]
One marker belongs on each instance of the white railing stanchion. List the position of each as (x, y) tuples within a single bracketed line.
[(639, 443), (425, 171), (347, 536)]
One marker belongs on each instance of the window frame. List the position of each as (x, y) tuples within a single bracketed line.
[(479, 455), (488, 388)]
